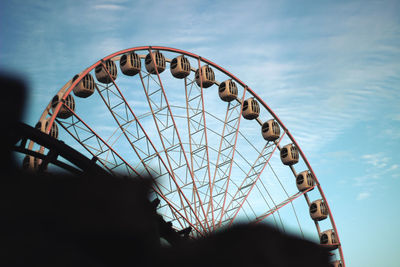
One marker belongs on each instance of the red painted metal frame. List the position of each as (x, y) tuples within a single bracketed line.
[(189, 133), (101, 139), (233, 154), (261, 218), (127, 164), (177, 133), (210, 203), (147, 137), (205, 133), (181, 194), (254, 183), (68, 91)]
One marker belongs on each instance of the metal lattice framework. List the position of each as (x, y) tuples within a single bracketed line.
[(211, 165)]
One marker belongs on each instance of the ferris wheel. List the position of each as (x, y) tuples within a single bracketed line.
[(217, 152)]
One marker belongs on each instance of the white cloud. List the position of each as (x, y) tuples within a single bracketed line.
[(396, 117), (392, 134), (377, 160), (108, 7), (378, 167), (363, 195), (394, 167)]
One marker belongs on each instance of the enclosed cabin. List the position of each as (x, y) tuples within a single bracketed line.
[(336, 264), (207, 77), (106, 71), (228, 90), (328, 239), (289, 154), (304, 181), (180, 67), (251, 109), (30, 163), (155, 62), (270, 130), (43, 124), (318, 210), (130, 64), (85, 86), (67, 107)]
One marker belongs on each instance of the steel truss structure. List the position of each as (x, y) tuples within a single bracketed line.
[(211, 166)]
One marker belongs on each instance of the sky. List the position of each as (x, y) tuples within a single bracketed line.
[(330, 70)]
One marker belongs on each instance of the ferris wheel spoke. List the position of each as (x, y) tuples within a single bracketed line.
[(254, 175), (170, 141), (177, 214), (170, 116), (262, 189), (268, 205), (137, 138), (245, 186), (281, 205), (171, 148), (210, 206), (250, 144), (287, 195), (225, 156), (139, 135), (118, 161), (189, 110), (197, 138), (124, 121), (97, 148), (190, 170), (206, 145)]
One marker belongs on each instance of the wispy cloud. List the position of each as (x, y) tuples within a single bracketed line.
[(321, 72), (396, 117), (377, 160), (363, 195), (377, 167), (108, 7), (393, 167)]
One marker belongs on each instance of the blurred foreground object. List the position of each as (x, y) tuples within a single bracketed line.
[(247, 245), (12, 105), (76, 221)]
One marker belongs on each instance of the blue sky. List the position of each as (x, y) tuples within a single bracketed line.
[(329, 69)]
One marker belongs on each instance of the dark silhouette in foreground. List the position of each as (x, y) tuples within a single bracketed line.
[(100, 220), (62, 220), (247, 245)]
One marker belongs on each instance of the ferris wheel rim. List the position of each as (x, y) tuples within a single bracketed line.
[(74, 83)]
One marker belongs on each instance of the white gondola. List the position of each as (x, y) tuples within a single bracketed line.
[(180, 67), (85, 87), (270, 130), (251, 109), (30, 163), (155, 62), (130, 64), (207, 77), (228, 90), (328, 239), (107, 74), (289, 154), (304, 181), (318, 210), (67, 107), (43, 124), (336, 264)]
